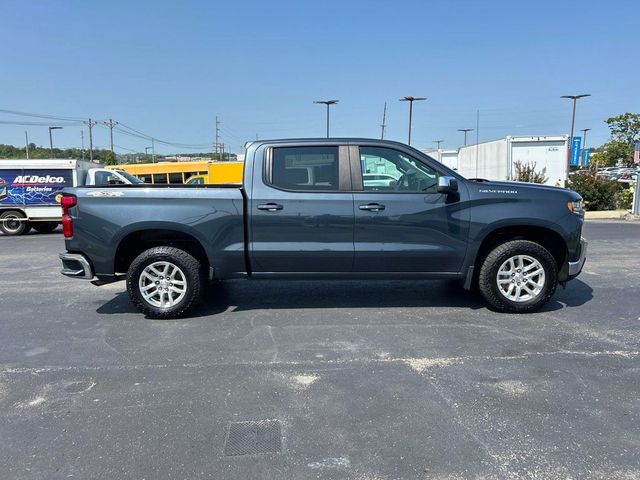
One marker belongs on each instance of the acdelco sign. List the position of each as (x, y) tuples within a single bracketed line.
[(35, 179)]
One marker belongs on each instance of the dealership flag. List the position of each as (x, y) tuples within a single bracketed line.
[(636, 153)]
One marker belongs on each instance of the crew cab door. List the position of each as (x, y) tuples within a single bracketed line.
[(402, 224), (301, 210)]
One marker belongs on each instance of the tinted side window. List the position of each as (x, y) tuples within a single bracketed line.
[(305, 168), (159, 178), (175, 178), (102, 178), (385, 169)]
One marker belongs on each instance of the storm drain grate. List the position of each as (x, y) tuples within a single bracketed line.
[(251, 438)]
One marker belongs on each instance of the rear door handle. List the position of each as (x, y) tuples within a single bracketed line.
[(270, 207), (372, 207)]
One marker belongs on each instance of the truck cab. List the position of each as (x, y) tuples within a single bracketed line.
[(104, 176)]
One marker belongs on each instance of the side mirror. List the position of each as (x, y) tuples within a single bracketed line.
[(447, 185)]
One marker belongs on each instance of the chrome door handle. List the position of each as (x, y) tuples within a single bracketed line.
[(372, 207), (270, 207)]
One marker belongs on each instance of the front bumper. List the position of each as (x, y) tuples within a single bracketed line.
[(76, 265), (576, 267)]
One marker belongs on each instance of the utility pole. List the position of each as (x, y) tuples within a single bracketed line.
[(438, 142), (216, 145), (328, 103), (111, 124), (384, 118), (26, 139), (411, 100), (575, 98), (584, 142), (90, 124), (51, 138), (465, 130)]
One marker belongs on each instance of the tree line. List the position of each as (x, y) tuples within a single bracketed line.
[(103, 156)]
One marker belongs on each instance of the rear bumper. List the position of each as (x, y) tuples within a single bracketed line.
[(576, 267), (76, 265)]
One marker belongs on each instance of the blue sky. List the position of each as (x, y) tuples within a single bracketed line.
[(168, 68)]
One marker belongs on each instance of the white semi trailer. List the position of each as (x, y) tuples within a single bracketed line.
[(496, 160)]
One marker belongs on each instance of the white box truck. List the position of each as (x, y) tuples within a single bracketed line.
[(448, 157), (496, 160), (30, 190)]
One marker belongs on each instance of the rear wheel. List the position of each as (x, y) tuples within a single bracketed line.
[(165, 282), (13, 222), (44, 227), (518, 276)]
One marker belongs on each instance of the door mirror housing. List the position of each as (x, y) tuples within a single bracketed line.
[(447, 185)]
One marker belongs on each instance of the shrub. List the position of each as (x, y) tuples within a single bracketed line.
[(598, 193), (624, 199), (526, 172)]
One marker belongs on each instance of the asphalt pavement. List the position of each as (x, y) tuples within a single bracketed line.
[(333, 380)]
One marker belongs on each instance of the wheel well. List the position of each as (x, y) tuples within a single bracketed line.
[(137, 242), (546, 237)]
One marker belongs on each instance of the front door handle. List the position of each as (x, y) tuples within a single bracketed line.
[(270, 207), (372, 207)]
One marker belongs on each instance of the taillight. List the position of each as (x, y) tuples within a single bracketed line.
[(67, 202)]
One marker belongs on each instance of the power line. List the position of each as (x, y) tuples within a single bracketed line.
[(43, 124), (38, 115)]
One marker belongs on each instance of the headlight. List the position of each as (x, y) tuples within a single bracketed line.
[(575, 206)]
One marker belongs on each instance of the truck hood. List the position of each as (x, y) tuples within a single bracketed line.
[(524, 187)]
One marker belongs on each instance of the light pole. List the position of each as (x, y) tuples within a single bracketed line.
[(584, 142), (51, 138), (573, 122), (328, 103), (465, 130), (411, 100)]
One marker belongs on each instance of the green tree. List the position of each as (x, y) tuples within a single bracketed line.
[(625, 128), (625, 131), (611, 153), (110, 159)]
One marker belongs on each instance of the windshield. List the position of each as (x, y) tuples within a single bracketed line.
[(128, 176)]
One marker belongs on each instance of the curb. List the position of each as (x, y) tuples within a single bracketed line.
[(611, 215)]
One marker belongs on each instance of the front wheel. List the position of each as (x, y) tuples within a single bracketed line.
[(165, 282), (518, 276)]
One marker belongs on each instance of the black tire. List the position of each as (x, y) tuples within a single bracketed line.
[(10, 223), (488, 277), (189, 268), (44, 227)]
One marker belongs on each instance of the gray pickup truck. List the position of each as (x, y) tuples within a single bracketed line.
[(326, 208)]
